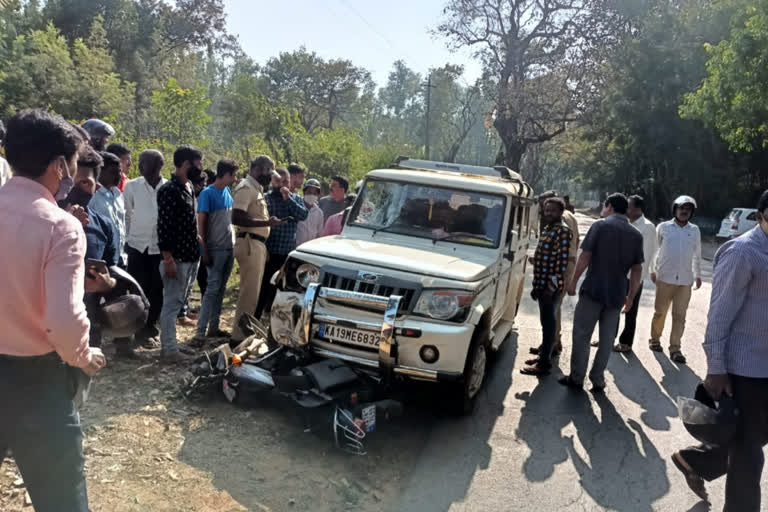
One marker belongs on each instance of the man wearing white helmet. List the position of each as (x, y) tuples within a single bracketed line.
[(677, 266)]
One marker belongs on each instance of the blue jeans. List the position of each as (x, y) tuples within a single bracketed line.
[(41, 427), (175, 294), (222, 261)]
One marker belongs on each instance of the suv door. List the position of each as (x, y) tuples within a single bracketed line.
[(521, 220)]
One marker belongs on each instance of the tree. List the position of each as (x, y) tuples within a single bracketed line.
[(537, 55), (180, 114), (322, 92), (733, 97)]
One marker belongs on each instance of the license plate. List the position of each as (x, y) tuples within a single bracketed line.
[(369, 417), (349, 335)]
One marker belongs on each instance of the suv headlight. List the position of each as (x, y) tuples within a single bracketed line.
[(444, 304), (307, 274), (299, 274)]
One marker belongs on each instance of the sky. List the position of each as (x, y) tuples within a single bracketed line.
[(371, 33)]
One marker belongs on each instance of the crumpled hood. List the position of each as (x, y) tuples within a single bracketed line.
[(462, 263)]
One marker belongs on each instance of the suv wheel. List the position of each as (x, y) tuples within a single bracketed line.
[(465, 396)]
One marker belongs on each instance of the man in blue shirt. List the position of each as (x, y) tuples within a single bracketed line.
[(282, 204), (737, 365), (100, 238), (214, 223)]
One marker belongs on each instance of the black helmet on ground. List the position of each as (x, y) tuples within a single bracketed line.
[(709, 422)]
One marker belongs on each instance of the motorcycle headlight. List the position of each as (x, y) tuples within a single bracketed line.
[(444, 304), (307, 274)]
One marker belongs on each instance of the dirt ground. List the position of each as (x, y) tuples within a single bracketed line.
[(149, 449)]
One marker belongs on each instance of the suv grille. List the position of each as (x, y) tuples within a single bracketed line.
[(343, 283)]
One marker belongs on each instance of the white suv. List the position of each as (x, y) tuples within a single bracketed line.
[(425, 278)]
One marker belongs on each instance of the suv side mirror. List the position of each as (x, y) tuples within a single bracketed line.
[(510, 255)]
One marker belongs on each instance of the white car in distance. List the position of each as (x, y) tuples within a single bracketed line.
[(738, 222)]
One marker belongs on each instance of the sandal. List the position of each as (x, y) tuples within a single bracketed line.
[(655, 345), (694, 481), (532, 362), (535, 370), (677, 357), (622, 348), (534, 351)]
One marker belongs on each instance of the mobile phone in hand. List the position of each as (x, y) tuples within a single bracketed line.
[(100, 266)]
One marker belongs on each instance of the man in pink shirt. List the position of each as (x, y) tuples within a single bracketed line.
[(44, 341)]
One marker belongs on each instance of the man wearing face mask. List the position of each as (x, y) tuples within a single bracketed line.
[(45, 340), (282, 239), (251, 216), (179, 244), (311, 227)]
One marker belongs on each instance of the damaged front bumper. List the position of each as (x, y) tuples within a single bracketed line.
[(296, 318)]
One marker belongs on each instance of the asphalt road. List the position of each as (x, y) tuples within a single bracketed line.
[(533, 445)]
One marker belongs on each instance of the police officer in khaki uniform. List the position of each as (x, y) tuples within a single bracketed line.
[(250, 215)]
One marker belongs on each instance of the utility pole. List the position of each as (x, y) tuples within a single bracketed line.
[(426, 124)]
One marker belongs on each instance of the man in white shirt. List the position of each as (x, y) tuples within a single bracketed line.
[(636, 215), (144, 256), (108, 200), (312, 227), (677, 266)]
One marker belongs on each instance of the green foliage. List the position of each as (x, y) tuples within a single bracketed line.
[(180, 114), (733, 98)]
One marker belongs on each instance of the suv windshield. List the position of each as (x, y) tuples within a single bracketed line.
[(436, 213)]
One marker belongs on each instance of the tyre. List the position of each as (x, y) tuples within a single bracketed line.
[(465, 392)]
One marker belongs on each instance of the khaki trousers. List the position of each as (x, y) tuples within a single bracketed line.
[(678, 296), (251, 255)]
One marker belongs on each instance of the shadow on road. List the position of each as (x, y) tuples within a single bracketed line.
[(610, 449), (678, 379), (459, 447), (634, 381)]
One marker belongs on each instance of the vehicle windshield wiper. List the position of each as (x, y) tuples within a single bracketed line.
[(383, 229), (449, 236)]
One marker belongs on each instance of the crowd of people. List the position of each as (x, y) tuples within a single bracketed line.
[(92, 255), (619, 252)]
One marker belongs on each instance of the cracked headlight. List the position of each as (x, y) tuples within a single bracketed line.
[(307, 274), (444, 304)]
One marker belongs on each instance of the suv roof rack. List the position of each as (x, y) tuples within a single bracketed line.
[(498, 171), (430, 165)]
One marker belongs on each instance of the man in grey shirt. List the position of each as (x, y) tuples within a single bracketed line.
[(611, 248), (337, 201), (214, 219)]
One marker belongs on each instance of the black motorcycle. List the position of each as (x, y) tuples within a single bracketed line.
[(257, 366)]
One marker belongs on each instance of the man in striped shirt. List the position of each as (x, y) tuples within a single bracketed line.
[(737, 360)]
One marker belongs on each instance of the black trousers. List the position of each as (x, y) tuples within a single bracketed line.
[(630, 320), (742, 461), (145, 268), (202, 278), (548, 319), (268, 290), (41, 428)]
